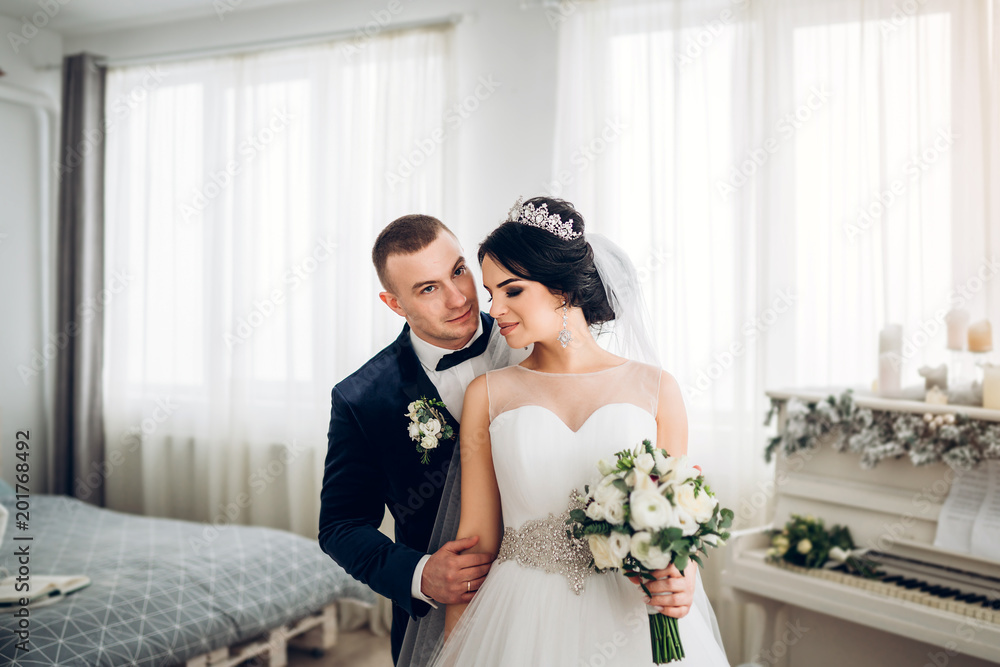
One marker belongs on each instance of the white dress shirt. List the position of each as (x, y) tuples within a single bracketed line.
[(451, 385)]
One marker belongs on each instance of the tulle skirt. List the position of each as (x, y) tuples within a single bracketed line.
[(523, 616)]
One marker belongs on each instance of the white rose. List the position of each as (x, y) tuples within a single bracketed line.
[(607, 492), (606, 467), (600, 548), (645, 462), (429, 442), (661, 457), (701, 508), (804, 547), (684, 521), (614, 511), (650, 510), (781, 544), (595, 511), (640, 481), (711, 540), (678, 469), (414, 431), (838, 554), (651, 557), (431, 427), (620, 544), (411, 410)]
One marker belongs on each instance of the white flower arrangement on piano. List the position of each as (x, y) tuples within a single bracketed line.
[(958, 440), (806, 542)]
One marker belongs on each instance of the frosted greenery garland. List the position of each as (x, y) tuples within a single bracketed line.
[(883, 434)]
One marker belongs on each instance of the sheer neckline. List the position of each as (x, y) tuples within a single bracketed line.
[(603, 370)]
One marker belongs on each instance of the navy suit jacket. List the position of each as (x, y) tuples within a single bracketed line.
[(372, 463)]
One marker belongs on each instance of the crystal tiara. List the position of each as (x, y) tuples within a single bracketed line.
[(527, 214)]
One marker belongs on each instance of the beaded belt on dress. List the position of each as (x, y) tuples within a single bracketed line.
[(545, 544)]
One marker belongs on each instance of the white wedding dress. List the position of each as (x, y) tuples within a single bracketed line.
[(547, 433)]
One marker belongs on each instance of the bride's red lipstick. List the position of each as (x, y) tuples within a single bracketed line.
[(507, 327)]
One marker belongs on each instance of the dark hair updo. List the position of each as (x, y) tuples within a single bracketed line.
[(564, 266)]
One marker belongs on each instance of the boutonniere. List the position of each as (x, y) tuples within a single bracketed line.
[(428, 426)]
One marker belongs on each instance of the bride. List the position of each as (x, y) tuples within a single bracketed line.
[(534, 432)]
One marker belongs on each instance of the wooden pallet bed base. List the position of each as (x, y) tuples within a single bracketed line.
[(316, 632)]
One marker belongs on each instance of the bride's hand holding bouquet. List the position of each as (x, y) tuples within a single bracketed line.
[(649, 513)]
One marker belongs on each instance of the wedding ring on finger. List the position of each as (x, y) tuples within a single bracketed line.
[(468, 587)]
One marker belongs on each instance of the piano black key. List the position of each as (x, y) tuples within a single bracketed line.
[(894, 579), (995, 604), (973, 598)]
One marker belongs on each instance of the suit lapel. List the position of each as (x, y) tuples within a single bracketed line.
[(415, 382)]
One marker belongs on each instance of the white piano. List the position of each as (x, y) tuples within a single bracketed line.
[(913, 619)]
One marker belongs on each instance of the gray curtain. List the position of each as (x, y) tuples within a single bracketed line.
[(76, 463)]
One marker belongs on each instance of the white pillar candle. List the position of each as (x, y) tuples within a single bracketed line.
[(958, 328), (980, 337), (889, 374), (890, 339), (935, 377), (991, 387)]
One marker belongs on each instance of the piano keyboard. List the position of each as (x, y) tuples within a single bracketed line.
[(960, 593)]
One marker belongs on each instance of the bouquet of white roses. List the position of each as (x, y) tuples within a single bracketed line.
[(650, 510)]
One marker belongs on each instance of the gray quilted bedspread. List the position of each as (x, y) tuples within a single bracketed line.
[(163, 591)]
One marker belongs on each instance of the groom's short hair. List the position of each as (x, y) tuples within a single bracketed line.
[(404, 236)]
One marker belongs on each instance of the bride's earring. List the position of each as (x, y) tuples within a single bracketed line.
[(565, 337)]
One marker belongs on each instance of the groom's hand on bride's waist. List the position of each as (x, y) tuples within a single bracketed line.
[(453, 577), (673, 592)]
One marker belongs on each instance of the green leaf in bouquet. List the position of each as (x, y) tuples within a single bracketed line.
[(696, 559), (597, 528), (673, 534), (681, 546), (727, 519), (661, 540), (621, 486), (578, 516), (681, 561)]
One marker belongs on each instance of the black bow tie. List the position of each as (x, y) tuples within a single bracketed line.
[(453, 359)]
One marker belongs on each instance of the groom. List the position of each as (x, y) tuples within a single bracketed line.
[(372, 463)]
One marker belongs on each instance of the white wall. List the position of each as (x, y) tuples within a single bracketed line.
[(502, 150), (25, 91)]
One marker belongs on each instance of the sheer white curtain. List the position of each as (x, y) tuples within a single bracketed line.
[(235, 188), (790, 176)]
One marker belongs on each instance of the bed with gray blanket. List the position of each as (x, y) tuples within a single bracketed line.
[(162, 591)]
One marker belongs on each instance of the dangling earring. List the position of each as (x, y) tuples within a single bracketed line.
[(565, 337)]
